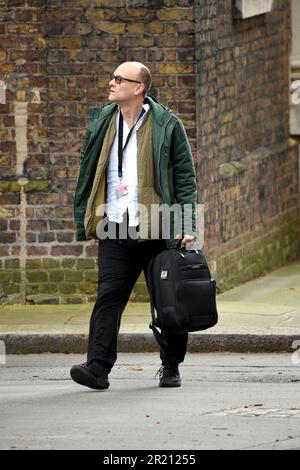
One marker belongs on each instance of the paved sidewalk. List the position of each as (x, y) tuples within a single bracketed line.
[(260, 315), (227, 401)]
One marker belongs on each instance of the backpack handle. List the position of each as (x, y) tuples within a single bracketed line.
[(183, 248)]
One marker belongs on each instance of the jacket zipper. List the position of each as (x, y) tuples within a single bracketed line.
[(159, 153)]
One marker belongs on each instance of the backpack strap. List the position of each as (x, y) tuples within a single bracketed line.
[(151, 290), (152, 325), (159, 337)]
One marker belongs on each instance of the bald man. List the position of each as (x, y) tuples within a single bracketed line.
[(135, 157)]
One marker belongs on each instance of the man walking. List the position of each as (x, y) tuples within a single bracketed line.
[(136, 154)]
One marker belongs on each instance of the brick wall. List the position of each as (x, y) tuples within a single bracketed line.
[(58, 56), (228, 81), (247, 166)]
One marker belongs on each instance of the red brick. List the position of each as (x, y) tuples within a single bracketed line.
[(35, 250), (14, 225), (37, 225), (7, 237), (4, 251), (31, 237), (65, 237), (15, 250), (46, 237), (3, 225), (66, 250), (92, 250)]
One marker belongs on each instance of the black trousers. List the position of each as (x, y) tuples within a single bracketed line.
[(120, 264)]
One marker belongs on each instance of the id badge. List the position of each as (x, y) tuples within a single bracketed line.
[(121, 189)]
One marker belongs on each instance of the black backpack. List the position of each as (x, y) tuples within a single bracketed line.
[(182, 292)]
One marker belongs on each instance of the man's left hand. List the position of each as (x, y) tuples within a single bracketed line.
[(187, 239)]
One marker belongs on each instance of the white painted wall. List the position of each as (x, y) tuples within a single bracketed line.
[(248, 8), (295, 69), (295, 53)]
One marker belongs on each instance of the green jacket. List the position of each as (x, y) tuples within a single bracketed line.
[(175, 179)]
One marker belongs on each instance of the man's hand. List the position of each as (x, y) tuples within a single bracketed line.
[(186, 240)]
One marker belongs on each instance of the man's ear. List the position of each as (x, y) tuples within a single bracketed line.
[(139, 89)]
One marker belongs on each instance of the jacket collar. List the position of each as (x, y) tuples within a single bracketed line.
[(160, 113), (101, 112)]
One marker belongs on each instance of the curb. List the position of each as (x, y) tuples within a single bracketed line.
[(144, 342)]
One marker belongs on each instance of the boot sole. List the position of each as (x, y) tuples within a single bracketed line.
[(83, 377), (178, 384)]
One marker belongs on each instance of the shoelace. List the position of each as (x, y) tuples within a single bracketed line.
[(161, 371)]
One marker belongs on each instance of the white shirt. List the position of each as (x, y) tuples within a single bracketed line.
[(117, 206)]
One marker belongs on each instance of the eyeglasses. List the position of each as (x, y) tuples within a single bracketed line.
[(118, 79)]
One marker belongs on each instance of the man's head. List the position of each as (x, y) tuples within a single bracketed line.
[(130, 82)]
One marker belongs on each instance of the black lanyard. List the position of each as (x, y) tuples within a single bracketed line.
[(120, 140)]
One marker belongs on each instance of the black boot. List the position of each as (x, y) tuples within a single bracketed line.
[(91, 375), (169, 376)]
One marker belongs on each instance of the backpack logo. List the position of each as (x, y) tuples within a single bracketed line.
[(164, 274)]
